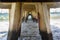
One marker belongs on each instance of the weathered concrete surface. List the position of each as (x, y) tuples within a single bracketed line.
[(30, 31)]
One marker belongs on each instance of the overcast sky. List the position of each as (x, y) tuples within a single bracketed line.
[(4, 10), (54, 9)]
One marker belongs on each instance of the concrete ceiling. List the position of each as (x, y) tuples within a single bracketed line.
[(53, 4), (29, 7), (5, 5)]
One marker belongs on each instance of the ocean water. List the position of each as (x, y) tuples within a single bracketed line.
[(4, 14)]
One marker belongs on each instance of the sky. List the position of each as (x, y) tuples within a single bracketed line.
[(54, 9), (4, 10)]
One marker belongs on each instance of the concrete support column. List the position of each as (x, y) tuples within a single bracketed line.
[(11, 19), (15, 30), (47, 20), (43, 28)]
